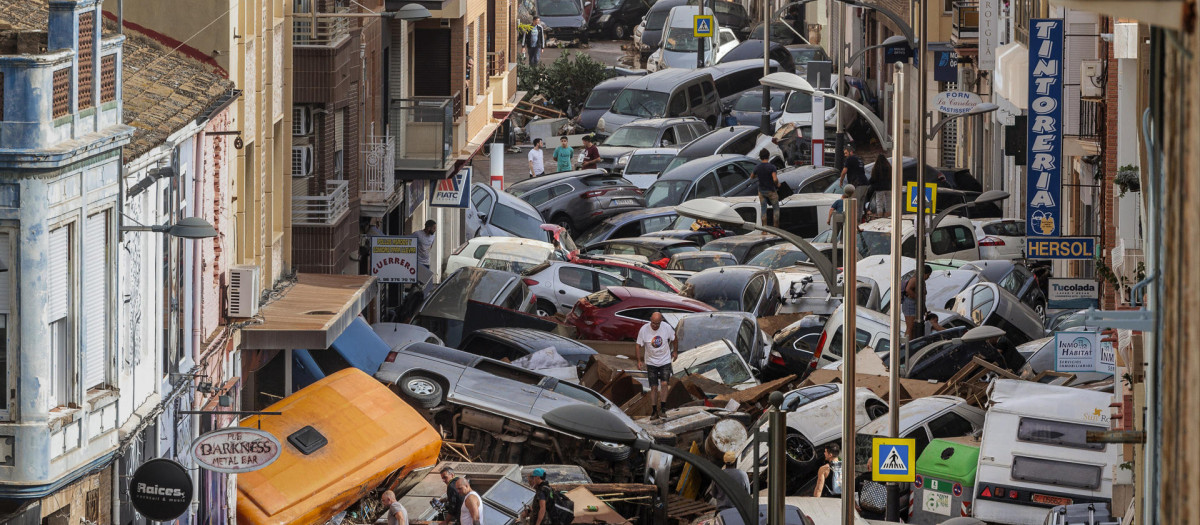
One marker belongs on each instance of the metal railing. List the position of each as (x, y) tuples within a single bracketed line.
[(323, 210), (379, 161), (425, 131), (328, 30), (1091, 119), (497, 63), (965, 25)]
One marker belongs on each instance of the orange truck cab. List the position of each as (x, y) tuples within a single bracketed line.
[(342, 437)]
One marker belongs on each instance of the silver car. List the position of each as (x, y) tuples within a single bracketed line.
[(559, 285), (492, 395)]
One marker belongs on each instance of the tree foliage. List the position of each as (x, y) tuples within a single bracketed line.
[(565, 83)]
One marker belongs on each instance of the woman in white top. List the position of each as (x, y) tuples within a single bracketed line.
[(472, 507)]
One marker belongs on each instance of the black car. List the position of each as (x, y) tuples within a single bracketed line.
[(941, 360), (629, 224), (658, 250), (1015, 278), (736, 289), (792, 515), (515, 343), (712, 176), (444, 312), (577, 200), (746, 106), (564, 19), (732, 77), (616, 18), (647, 133), (601, 99), (647, 36), (808, 179), (744, 247), (737, 140), (802, 54), (792, 348), (752, 50), (730, 15), (780, 32)]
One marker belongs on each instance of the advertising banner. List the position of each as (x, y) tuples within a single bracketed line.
[(988, 34), (1074, 294), (453, 191), (1083, 352), (394, 258), (1043, 182)]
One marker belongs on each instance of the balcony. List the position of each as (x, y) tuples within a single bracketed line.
[(497, 63), (326, 30), (426, 131), (1091, 120), (322, 210), (964, 30), (379, 164)]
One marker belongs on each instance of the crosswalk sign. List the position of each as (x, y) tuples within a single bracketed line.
[(893, 459), (910, 202), (702, 26)]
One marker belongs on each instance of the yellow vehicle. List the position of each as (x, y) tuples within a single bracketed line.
[(342, 437)]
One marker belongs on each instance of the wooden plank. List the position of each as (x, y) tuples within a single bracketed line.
[(753, 395)]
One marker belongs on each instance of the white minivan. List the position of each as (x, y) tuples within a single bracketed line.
[(1034, 454), (679, 43)]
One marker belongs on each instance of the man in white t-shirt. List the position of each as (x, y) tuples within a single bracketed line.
[(656, 349), (395, 514), (537, 160)]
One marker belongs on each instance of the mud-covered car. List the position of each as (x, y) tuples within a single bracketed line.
[(496, 406)]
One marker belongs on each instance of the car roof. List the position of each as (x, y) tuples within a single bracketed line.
[(702, 254), (683, 15), (749, 238), (740, 271), (641, 214), (615, 83), (551, 178), (696, 167), (665, 5), (707, 144), (512, 201), (534, 340), (804, 46), (650, 240), (913, 413), (723, 68), (645, 294), (656, 151), (660, 122), (665, 80), (991, 270)]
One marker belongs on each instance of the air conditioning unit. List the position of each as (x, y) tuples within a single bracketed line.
[(1091, 79), (302, 161), (243, 291), (302, 124)]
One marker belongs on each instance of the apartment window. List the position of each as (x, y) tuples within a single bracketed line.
[(339, 142), (87, 39), (62, 355), (947, 6), (6, 273), (108, 78), (95, 301), (62, 92)]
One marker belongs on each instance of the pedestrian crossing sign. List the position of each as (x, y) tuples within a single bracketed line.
[(910, 192), (893, 459), (702, 26)]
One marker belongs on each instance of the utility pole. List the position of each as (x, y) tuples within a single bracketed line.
[(765, 121), (922, 136), (700, 40), (893, 489), (839, 41), (849, 355)]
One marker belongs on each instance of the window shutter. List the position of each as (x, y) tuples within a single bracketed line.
[(95, 300), (60, 260)]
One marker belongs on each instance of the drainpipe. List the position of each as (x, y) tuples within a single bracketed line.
[(197, 332)]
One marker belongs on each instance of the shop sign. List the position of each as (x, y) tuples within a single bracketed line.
[(1074, 294), (235, 450), (453, 191), (1043, 181), (956, 102), (160, 489)]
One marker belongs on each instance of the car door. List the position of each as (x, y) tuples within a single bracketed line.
[(705, 186), (752, 295), (476, 214), (572, 284), (749, 346), (731, 176)]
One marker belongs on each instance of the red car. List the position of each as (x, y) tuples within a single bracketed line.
[(636, 274), (616, 314)]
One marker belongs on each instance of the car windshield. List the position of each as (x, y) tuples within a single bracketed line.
[(640, 103), (726, 369), (802, 103), (449, 300), (601, 98), (877, 243), (1005, 228), (648, 163), (517, 222), (752, 101), (607, 4), (632, 137), (776, 259), (507, 264), (559, 8), (656, 19), (666, 193), (596, 232), (695, 264), (725, 296), (803, 56), (683, 40)]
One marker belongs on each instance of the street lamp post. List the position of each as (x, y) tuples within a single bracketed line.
[(596, 423)]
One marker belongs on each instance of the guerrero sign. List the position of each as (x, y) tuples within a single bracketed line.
[(394, 259), (453, 191), (160, 489), (1043, 182), (235, 450)]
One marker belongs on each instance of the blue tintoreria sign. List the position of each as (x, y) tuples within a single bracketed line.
[(1043, 183)]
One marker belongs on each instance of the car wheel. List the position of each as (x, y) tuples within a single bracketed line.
[(620, 32), (545, 308), (565, 222), (876, 410), (423, 390), (605, 451), (1040, 310), (800, 452)]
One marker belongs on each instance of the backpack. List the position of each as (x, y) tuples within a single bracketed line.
[(562, 509)]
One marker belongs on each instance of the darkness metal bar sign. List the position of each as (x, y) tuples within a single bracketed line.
[(1043, 182)]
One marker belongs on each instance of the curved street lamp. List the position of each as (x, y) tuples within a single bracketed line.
[(794, 82), (187, 228), (717, 211), (596, 423)]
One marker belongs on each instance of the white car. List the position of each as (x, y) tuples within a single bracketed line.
[(679, 45), (814, 419), (1001, 238), (954, 238), (718, 361), (797, 109), (470, 253), (559, 285)]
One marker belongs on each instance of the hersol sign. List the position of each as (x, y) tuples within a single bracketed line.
[(235, 450)]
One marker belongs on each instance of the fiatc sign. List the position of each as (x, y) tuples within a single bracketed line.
[(160, 489), (235, 450), (1043, 182), (453, 191)]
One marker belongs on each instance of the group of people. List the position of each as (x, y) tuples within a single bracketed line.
[(464, 506), (562, 156)]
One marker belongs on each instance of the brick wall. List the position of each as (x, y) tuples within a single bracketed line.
[(1108, 165)]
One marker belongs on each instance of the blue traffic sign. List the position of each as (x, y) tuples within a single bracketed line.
[(893, 459), (702, 26)]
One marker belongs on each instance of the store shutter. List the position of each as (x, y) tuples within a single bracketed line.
[(433, 47), (95, 300)]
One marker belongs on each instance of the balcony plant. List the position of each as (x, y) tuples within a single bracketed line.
[(1127, 179), (565, 83)]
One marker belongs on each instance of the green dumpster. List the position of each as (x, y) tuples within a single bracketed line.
[(945, 480)]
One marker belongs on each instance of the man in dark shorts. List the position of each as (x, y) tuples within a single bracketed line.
[(591, 154), (768, 189), (656, 349)]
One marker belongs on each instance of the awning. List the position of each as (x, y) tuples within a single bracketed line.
[(1010, 80), (312, 313), (359, 346)]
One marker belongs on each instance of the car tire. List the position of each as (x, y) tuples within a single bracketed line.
[(620, 31), (565, 222), (423, 390), (800, 451), (876, 410), (545, 308), (605, 451)]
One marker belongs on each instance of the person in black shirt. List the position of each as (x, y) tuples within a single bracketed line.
[(853, 173), (543, 500), (881, 185), (768, 189), (453, 499)]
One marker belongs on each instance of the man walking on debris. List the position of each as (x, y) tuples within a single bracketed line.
[(656, 349), (543, 499), (829, 476), (471, 512), (395, 514), (453, 499)]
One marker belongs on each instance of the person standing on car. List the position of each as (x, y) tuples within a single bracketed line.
[(768, 189), (453, 499), (909, 306), (591, 154), (535, 41), (722, 500), (656, 350), (562, 154), (395, 514), (854, 173), (543, 499), (537, 160), (829, 476), (881, 185), (471, 512)]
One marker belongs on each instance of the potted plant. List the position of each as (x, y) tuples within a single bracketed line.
[(1127, 179)]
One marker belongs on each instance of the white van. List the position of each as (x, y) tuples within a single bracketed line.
[(802, 214), (1034, 454)]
